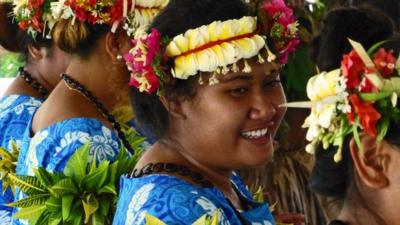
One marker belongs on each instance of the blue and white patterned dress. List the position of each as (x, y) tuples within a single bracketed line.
[(177, 202), (53, 146), (15, 113)]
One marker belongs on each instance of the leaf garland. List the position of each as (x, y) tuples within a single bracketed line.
[(85, 193)]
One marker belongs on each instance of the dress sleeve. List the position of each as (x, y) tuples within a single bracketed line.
[(171, 201)]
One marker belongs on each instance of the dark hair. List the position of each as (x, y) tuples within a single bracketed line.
[(12, 38), (366, 25), (176, 18), (390, 7), (335, 179)]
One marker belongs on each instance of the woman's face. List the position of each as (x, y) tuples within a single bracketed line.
[(232, 124)]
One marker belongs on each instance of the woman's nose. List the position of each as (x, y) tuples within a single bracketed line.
[(262, 108)]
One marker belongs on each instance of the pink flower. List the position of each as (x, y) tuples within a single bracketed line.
[(140, 61)]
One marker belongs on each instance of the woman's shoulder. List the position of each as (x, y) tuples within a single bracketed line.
[(15, 113), (171, 199), (79, 128), (52, 146)]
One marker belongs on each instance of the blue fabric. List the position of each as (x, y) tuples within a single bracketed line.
[(177, 202), (15, 113), (53, 146)]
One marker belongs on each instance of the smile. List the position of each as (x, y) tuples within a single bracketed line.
[(254, 134)]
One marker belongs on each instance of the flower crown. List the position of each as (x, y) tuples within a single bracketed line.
[(215, 48), (36, 16), (361, 95)]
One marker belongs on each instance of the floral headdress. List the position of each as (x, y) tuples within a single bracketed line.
[(36, 16), (361, 95), (215, 48)]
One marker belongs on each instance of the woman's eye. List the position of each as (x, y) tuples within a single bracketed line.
[(272, 83), (238, 91)]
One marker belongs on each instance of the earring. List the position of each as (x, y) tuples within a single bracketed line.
[(119, 57)]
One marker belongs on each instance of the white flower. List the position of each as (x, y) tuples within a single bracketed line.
[(31, 159), (5, 217), (104, 145), (138, 200)]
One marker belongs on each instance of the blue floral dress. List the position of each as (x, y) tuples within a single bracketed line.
[(15, 113), (53, 146), (177, 202)]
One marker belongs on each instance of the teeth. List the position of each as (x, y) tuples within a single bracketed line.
[(255, 133)]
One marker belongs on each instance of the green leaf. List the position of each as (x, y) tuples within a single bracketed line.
[(43, 219), (108, 189), (54, 204), (76, 216), (31, 213), (55, 219), (96, 179), (383, 127), (374, 47), (64, 187), (98, 219), (356, 135), (112, 172), (105, 206), (34, 200), (43, 176), (371, 97), (28, 184), (77, 164), (66, 206), (90, 206)]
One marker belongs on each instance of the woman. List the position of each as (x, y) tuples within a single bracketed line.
[(213, 101), (365, 25), (38, 77), (77, 111), (355, 137)]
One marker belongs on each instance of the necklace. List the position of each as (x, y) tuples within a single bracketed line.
[(198, 178), (152, 168), (32, 82), (75, 85)]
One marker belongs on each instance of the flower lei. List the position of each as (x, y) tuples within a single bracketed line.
[(361, 95), (215, 48), (37, 15)]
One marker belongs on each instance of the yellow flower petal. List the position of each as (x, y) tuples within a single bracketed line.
[(152, 220)]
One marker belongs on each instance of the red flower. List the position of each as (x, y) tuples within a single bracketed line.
[(352, 67), (80, 13), (384, 62), (23, 25), (367, 114), (35, 4), (367, 86)]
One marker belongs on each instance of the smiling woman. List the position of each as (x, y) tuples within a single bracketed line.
[(207, 84)]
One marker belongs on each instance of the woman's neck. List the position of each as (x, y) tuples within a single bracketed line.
[(164, 151), (96, 78), (355, 212), (35, 74)]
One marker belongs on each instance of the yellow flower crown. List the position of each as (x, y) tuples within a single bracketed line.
[(215, 48)]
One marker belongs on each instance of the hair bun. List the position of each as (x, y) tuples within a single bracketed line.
[(9, 32)]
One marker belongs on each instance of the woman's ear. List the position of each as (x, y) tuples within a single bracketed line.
[(116, 45), (174, 107), (371, 162), (37, 53)]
